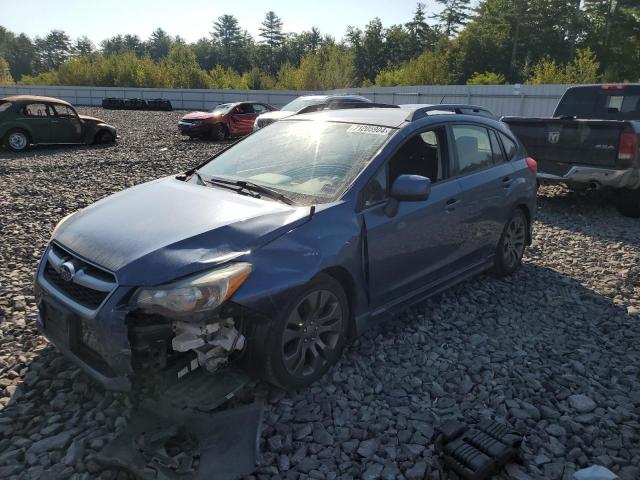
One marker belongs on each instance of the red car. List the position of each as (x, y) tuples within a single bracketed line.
[(224, 121)]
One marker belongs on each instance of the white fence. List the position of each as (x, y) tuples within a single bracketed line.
[(527, 100)]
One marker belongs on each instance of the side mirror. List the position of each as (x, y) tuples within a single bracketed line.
[(407, 188), (411, 188)]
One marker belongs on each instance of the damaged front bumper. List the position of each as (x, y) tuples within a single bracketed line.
[(90, 319)]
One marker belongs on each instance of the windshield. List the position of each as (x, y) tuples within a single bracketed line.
[(301, 102), (309, 161), (223, 108), (5, 105)]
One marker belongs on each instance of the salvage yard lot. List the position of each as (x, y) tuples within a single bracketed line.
[(554, 349)]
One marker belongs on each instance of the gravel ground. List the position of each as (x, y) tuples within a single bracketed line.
[(553, 349)]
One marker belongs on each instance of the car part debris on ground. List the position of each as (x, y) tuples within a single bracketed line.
[(188, 431), (475, 452)]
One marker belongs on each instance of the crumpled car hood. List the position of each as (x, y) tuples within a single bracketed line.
[(200, 115), (162, 230)]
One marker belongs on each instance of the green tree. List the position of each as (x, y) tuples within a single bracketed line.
[(21, 55), (52, 50), (273, 38), (582, 69), (183, 68), (5, 74), (228, 36), (487, 78), (83, 46), (454, 15), (159, 44), (423, 37)]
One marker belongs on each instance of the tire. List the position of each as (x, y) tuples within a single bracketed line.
[(17, 140), (294, 355), (512, 244), (219, 132), (628, 202), (103, 137)]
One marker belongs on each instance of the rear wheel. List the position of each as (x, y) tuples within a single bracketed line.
[(512, 244), (309, 336), (219, 132), (628, 202), (17, 140)]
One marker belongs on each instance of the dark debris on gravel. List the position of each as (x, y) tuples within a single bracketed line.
[(553, 350)]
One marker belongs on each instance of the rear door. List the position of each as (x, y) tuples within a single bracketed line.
[(485, 177), (242, 119), (37, 116), (66, 125)]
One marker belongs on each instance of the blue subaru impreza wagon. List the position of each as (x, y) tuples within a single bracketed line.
[(280, 248)]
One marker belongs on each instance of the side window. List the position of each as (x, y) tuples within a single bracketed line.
[(376, 189), (36, 110), (259, 108), (64, 111), (244, 108), (423, 154), (510, 147), (498, 156), (473, 148)]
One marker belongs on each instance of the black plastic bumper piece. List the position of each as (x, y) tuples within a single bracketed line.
[(478, 451)]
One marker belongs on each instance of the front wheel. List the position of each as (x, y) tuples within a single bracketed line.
[(512, 243), (17, 141), (103, 137), (628, 202), (309, 336), (219, 132)]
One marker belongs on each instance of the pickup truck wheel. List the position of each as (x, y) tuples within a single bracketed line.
[(628, 202), (219, 132), (512, 243), (17, 140), (309, 336)]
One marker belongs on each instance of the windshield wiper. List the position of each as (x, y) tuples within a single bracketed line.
[(252, 187)]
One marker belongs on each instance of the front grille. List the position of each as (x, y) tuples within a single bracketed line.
[(90, 285)]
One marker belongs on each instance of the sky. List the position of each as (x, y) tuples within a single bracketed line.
[(192, 19)]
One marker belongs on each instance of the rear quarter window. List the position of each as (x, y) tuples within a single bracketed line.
[(510, 147)]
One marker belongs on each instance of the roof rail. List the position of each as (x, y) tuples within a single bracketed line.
[(458, 108), (342, 105)]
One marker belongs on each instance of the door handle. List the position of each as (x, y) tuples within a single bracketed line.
[(507, 181), (451, 204)]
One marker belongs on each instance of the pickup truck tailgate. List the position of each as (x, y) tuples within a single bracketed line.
[(557, 144)]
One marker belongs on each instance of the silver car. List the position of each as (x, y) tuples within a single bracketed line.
[(308, 103)]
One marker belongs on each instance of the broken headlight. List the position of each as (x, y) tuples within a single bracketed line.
[(199, 293)]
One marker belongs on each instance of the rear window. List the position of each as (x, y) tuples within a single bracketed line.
[(597, 102), (4, 106), (580, 102)]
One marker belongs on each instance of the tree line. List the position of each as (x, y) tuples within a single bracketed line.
[(489, 42)]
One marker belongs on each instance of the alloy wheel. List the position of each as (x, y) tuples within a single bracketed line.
[(312, 333), (18, 141), (514, 241)]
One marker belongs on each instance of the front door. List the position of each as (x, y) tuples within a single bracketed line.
[(37, 116), (416, 248), (66, 125), (242, 119)]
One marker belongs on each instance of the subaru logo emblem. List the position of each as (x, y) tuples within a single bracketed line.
[(553, 137), (67, 271)]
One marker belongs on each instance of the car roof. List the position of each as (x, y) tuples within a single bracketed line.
[(397, 117), (34, 98)]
